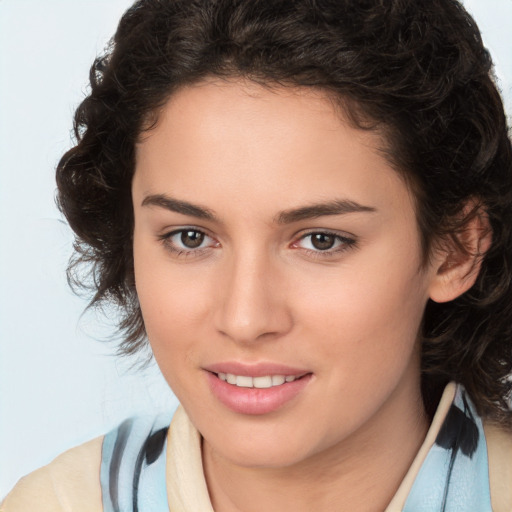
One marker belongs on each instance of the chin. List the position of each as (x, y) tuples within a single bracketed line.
[(269, 451)]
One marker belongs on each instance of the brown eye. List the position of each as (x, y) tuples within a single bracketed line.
[(322, 241), (192, 239), (325, 243), (188, 242)]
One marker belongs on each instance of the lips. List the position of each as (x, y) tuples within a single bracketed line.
[(256, 389)]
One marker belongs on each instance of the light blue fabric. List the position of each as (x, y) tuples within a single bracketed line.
[(131, 479), (464, 487)]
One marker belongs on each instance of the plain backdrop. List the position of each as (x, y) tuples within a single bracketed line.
[(59, 385)]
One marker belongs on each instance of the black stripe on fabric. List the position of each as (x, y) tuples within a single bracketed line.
[(155, 445), (115, 464), (151, 450), (459, 431), (136, 479)]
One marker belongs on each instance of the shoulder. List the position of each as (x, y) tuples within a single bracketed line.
[(69, 482), (499, 450), (74, 480)]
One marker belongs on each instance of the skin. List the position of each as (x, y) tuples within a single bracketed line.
[(257, 290)]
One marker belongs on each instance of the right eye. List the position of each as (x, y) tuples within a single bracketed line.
[(187, 241)]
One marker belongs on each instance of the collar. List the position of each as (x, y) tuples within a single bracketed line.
[(186, 485)]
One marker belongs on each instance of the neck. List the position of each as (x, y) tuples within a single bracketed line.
[(361, 473)]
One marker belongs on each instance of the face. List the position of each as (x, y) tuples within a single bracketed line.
[(278, 268)]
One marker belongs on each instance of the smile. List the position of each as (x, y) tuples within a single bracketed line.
[(262, 393), (266, 381)]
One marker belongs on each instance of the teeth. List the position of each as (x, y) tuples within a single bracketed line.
[(268, 381), (262, 382), (242, 381), (277, 380)]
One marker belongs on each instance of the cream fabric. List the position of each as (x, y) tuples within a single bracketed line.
[(186, 488), (71, 483)]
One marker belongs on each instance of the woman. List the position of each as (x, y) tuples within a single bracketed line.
[(305, 208)]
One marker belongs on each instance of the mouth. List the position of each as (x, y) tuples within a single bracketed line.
[(263, 393)]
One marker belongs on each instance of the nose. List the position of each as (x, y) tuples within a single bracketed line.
[(252, 301)]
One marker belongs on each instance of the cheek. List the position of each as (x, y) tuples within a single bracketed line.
[(367, 318), (362, 338), (172, 302), (174, 316)]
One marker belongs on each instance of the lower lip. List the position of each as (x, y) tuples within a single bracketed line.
[(256, 400)]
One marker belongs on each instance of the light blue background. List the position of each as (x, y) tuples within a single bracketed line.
[(58, 385)]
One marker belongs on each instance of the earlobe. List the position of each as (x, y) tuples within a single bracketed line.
[(458, 259)]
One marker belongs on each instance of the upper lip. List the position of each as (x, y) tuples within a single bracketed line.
[(255, 369)]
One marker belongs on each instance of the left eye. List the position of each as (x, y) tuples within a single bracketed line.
[(323, 242)]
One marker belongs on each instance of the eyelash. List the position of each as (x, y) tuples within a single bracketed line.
[(344, 243)]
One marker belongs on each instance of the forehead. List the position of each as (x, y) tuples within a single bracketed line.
[(285, 144), (268, 107)]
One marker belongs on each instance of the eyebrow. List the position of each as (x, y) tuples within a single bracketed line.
[(336, 207), (175, 205)]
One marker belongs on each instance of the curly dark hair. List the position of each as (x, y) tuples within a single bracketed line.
[(417, 71)]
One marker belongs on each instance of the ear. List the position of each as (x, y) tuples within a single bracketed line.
[(457, 259)]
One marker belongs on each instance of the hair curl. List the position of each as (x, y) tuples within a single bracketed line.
[(416, 70)]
